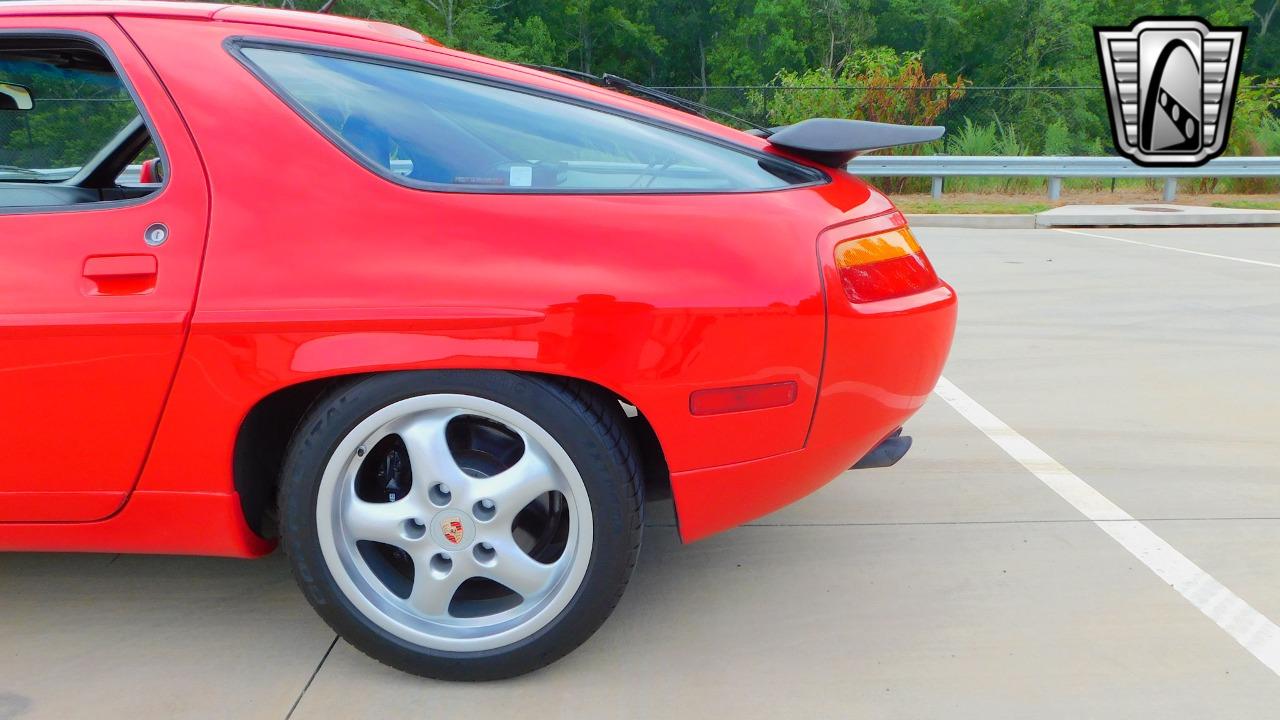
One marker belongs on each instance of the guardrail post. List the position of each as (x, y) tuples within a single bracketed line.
[(1055, 188), (936, 189), (1170, 189)]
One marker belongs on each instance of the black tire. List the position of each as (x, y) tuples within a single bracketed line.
[(591, 428)]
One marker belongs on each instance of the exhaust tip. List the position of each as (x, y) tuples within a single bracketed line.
[(887, 453)]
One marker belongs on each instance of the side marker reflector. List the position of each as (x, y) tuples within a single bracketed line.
[(747, 397)]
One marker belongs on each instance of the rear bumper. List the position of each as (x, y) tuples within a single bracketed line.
[(882, 361)]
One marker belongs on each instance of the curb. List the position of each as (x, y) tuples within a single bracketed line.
[(1155, 215), (1106, 216)]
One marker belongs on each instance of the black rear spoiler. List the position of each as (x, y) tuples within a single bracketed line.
[(835, 142)]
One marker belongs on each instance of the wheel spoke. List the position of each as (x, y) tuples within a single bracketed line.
[(517, 486), (431, 595), (379, 522), (515, 569), (430, 459)]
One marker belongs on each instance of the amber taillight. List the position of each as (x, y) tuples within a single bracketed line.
[(882, 266)]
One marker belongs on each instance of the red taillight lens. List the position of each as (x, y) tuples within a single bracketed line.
[(883, 266)]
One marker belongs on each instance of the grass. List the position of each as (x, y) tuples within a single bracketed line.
[(994, 206), (1249, 204)]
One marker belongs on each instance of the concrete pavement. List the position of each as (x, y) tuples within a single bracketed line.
[(956, 584)]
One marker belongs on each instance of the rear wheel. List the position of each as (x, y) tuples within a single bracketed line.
[(462, 525)]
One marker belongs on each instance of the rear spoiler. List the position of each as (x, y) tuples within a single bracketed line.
[(835, 142)]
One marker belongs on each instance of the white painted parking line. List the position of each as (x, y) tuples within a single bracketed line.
[(1168, 247), (1253, 630)]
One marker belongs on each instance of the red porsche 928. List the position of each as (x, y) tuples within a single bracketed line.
[(432, 322)]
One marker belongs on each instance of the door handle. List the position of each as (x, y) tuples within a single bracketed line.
[(120, 274)]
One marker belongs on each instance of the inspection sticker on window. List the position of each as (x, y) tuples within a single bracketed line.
[(521, 176)]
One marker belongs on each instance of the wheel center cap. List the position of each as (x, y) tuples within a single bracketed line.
[(453, 530)]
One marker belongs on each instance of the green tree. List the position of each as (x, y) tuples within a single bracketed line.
[(706, 43), (759, 38), (878, 84)]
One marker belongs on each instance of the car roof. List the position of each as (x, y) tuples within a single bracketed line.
[(334, 24), (124, 7)]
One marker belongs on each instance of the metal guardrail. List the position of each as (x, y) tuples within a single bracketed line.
[(1055, 169)]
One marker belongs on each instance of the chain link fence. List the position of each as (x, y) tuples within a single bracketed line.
[(1025, 120), (1000, 121), (61, 132)]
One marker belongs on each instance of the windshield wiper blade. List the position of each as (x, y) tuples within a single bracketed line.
[(635, 88)]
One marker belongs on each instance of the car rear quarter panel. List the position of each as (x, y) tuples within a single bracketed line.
[(882, 361), (317, 267)]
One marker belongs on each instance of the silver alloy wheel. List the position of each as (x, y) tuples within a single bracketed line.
[(454, 524)]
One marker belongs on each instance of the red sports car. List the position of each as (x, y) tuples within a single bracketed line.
[(433, 322)]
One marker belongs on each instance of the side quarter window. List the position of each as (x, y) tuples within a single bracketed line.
[(430, 128)]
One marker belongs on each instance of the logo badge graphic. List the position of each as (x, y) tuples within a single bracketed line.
[(452, 531), (1170, 85)]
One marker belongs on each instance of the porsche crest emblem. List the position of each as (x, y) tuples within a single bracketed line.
[(453, 531)]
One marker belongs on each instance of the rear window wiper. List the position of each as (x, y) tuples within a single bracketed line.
[(620, 83), (575, 74), (690, 106)]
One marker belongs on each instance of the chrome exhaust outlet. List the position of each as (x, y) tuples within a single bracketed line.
[(887, 453)]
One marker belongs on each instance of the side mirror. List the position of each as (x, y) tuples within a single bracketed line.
[(14, 97), (152, 171)]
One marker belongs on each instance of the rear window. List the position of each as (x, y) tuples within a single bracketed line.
[(439, 130)]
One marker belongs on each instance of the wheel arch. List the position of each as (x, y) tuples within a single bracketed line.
[(264, 434)]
